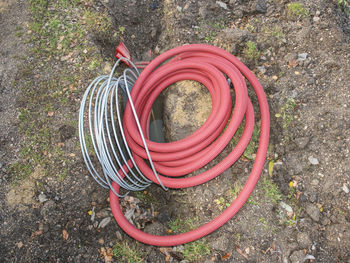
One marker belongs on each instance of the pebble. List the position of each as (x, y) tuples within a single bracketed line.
[(20, 244), (262, 69), (316, 19), (179, 8), (302, 56), (345, 188), (104, 222), (42, 198), (221, 243), (297, 257), (119, 235), (313, 211), (313, 198), (313, 160), (304, 240), (221, 4), (286, 207), (315, 182), (261, 7)]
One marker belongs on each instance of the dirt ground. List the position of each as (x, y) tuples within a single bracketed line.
[(52, 211)]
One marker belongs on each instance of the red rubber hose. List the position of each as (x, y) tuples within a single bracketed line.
[(207, 65)]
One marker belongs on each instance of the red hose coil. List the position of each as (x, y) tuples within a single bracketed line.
[(207, 65)]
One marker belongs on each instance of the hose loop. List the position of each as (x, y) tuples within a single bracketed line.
[(139, 161)]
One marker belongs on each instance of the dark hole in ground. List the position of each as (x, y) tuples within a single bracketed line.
[(137, 24)]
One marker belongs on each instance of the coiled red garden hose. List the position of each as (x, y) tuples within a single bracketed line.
[(208, 65)]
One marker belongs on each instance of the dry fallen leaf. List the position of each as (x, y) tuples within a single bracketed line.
[(226, 256), (239, 251), (163, 250), (50, 113), (106, 254), (167, 259), (65, 234)]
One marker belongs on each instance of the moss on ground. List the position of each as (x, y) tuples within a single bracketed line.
[(52, 80)]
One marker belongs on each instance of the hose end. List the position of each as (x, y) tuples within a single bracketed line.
[(122, 52)]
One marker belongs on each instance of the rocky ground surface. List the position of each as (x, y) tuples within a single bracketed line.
[(52, 211)]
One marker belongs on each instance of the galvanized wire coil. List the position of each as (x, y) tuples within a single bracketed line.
[(101, 132)]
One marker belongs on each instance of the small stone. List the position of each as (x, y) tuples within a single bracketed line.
[(103, 213), (315, 182), (42, 198), (304, 240), (221, 243), (262, 69), (297, 257), (20, 244), (345, 188), (318, 13), (313, 211), (274, 77), (179, 8), (104, 222), (316, 19), (101, 241), (119, 235), (313, 198), (301, 142), (290, 57), (325, 221), (221, 4), (286, 207), (313, 160), (261, 7), (302, 56)]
